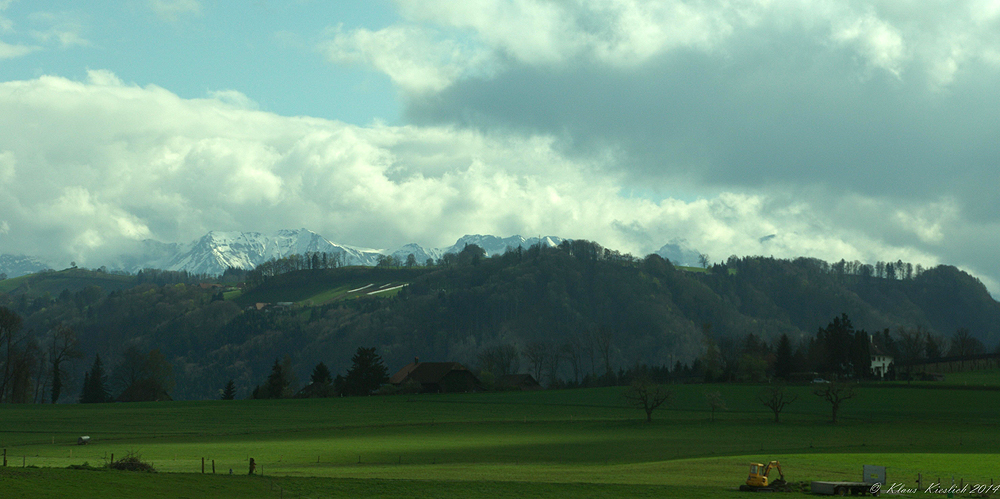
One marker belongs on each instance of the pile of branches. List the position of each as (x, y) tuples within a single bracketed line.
[(132, 462)]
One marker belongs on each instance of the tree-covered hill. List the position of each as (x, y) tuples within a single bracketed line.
[(569, 312)]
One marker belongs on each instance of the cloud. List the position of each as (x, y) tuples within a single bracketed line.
[(863, 126), (416, 59), (171, 10), (234, 98), (62, 29), (113, 163), (8, 51)]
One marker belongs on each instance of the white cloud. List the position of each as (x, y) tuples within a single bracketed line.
[(171, 10), (234, 98), (8, 51), (62, 29), (416, 59), (113, 163)]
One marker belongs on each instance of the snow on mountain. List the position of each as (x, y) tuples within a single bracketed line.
[(679, 253), (494, 245), (216, 251), (19, 265), (419, 253)]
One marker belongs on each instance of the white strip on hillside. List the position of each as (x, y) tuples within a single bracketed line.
[(388, 289), (362, 287)]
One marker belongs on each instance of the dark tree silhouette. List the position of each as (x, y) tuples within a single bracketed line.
[(229, 392), (95, 382), (646, 395), (776, 398), (835, 394), (367, 373)]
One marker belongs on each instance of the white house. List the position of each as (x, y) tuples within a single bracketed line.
[(880, 361)]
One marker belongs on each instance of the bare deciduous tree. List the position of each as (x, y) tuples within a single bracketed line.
[(715, 402), (776, 398), (835, 394), (646, 395)]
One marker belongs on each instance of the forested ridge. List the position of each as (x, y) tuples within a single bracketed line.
[(571, 313)]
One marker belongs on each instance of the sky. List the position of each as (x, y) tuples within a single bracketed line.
[(833, 129)]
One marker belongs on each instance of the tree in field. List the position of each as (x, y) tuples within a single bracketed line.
[(776, 398), (703, 259), (835, 394), (64, 347), (715, 402), (95, 382), (367, 373), (411, 261), (646, 395), (229, 392)]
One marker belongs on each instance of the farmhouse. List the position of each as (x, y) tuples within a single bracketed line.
[(437, 377), (880, 361)]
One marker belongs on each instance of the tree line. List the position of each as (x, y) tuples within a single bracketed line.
[(573, 315)]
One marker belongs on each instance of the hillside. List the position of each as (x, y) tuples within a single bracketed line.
[(573, 311)]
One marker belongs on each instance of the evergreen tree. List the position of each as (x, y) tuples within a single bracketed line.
[(95, 384), (367, 373), (277, 382), (783, 362), (229, 392), (321, 375)]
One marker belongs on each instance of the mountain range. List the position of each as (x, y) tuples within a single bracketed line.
[(216, 251)]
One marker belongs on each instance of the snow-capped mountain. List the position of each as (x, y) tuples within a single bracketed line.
[(216, 251), (19, 265), (494, 245), (420, 254), (679, 253)]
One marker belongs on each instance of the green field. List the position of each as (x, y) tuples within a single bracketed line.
[(572, 443)]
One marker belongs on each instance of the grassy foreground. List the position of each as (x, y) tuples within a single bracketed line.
[(576, 443)]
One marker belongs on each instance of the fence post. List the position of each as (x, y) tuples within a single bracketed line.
[(5, 458), (213, 466), (202, 466)]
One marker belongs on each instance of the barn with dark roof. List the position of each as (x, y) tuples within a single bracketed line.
[(437, 377)]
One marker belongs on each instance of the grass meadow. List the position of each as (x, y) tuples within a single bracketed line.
[(570, 443)]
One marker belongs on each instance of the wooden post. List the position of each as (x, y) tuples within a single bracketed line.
[(213, 466), (112, 458), (5, 458), (202, 466)]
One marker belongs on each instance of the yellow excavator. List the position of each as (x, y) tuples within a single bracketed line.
[(758, 482)]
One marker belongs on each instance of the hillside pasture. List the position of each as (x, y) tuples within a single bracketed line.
[(534, 440), (328, 285)]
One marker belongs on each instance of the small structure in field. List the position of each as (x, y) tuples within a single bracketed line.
[(83, 440), (437, 377)]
